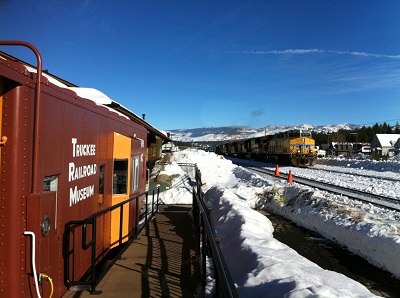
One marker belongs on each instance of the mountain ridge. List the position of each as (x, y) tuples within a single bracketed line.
[(227, 133)]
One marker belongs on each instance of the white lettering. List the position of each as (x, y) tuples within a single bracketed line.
[(74, 141), (82, 149), (71, 171), (76, 195), (75, 173)]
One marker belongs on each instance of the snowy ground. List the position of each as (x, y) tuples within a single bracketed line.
[(365, 175), (268, 268)]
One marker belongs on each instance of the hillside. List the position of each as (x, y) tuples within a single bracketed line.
[(221, 134)]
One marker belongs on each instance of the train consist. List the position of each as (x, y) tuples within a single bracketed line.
[(63, 158), (293, 147)]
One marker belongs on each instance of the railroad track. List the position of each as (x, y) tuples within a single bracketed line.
[(316, 168), (357, 174), (377, 200)]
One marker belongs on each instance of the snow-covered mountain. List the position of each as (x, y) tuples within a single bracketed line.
[(218, 134)]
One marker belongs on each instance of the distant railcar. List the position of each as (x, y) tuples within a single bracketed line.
[(293, 147), (63, 158)]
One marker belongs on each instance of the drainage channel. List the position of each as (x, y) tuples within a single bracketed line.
[(332, 257)]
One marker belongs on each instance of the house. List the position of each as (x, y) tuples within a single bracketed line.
[(343, 149), (346, 149), (396, 149), (363, 148), (384, 144)]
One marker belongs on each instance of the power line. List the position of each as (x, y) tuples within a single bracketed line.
[(383, 121)]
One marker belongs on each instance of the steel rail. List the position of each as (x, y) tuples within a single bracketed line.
[(236, 161), (377, 200), (357, 174)]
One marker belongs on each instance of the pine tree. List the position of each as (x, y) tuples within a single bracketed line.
[(397, 128)]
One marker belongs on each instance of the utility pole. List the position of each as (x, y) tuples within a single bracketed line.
[(355, 133)]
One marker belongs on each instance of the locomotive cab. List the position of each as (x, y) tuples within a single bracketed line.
[(302, 149)]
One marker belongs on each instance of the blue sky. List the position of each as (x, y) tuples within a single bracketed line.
[(190, 64)]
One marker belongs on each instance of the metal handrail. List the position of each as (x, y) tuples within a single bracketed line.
[(37, 106), (208, 244), (92, 279)]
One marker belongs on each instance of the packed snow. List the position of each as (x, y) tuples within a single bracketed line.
[(260, 265)]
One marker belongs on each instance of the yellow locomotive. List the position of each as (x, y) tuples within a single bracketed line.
[(296, 147), (293, 147)]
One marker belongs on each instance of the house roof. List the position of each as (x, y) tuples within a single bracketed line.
[(387, 140)]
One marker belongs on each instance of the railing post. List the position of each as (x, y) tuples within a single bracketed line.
[(158, 197), (153, 204), (67, 253), (121, 222), (137, 217), (217, 277), (204, 250), (147, 197), (196, 217), (93, 244)]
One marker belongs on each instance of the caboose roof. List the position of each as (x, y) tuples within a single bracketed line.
[(92, 94)]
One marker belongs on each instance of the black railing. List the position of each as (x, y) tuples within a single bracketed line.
[(207, 244), (93, 275)]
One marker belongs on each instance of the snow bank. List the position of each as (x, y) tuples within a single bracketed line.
[(264, 267), (260, 265), (357, 226)]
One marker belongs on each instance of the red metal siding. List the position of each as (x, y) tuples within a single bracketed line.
[(64, 119), (15, 185)]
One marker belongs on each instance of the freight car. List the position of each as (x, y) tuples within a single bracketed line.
[(63, 158), (293, 147)]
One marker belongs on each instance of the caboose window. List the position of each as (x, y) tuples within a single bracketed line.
[(100, 199), (50, 183), (101, 180), (135, 180), (120, 176)]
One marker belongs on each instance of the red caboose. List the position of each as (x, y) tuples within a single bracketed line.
[(63, 158)]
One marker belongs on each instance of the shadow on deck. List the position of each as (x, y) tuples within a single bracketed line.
[(161, 262)]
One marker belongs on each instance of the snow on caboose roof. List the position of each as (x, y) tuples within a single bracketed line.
[(92, 94), (88, 93)]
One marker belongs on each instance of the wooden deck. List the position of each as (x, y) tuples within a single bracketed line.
[(161, 262)]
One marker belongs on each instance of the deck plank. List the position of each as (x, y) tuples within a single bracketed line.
[(161, 262)]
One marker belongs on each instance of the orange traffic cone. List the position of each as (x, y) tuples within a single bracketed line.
[(290, 177), (277, 171)]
